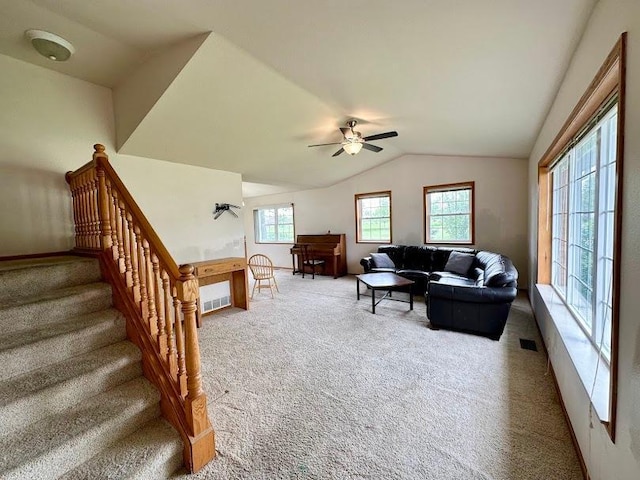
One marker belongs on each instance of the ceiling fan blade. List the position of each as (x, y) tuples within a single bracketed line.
[(323, 144), (380, 136), (338, 152), (345, 130), (373, 148)]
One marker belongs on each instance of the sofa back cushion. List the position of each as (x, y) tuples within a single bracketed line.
[(459, 263), (440, 256), (395, 252), (498, 270), (417, 258), (381, 260)]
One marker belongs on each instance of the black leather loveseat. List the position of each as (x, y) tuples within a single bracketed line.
[(470, 291)]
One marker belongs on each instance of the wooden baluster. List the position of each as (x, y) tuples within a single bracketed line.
[(95, 213), (196, 401), (172, 359), (104, 210), (134, 259), (128, 276), (182, 369), (86, 221), (152, 317), (81, 212), (162, 335), (90, 225), (144, 299), (120, 235), (73, 184), (112, 220)]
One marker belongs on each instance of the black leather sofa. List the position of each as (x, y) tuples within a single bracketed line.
[(477, 301)]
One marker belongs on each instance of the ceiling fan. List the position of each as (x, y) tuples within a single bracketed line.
[(353, 141)]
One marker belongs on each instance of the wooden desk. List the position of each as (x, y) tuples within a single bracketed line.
[(233, 269)]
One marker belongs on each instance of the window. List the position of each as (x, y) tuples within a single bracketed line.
[(373, 217), (449, 213), (582, 231), (579, 229), (274, 224)]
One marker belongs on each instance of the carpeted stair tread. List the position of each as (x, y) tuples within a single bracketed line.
[(10, 265), (153, 452), (33, 349), (43, 332), (35, 275), (21, 313), (30, 397), (56, 444), (53, 294)]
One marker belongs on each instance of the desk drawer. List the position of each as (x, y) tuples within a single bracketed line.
[(218, 268)]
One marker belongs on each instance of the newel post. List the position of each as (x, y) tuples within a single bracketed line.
[(103, 198), (202, 441)]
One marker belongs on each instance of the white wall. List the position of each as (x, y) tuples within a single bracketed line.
[(179, 200), (605, 460), (501, 205), (48, 124)]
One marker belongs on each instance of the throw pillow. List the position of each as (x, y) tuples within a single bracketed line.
[(381, 260), (459, 263)]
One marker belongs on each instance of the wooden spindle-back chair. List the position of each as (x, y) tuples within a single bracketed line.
[(262, 270)]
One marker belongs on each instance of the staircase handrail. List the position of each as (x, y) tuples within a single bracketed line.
[(158, 297)]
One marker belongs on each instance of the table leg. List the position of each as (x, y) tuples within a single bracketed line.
[(373, 300), (358, 287), (410, 299)]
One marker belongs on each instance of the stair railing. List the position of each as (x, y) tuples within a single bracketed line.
[(158, 298)]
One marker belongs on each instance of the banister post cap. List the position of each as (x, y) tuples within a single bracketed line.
[(99, 151), (186, 270)]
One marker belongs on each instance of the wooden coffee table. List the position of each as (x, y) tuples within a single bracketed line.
[(385, 281)]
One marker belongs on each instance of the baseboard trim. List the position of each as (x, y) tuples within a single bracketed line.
[(574, 439)]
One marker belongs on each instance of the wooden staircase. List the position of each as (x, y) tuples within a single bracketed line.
[(158, 298), (77, 400), (73, 401)]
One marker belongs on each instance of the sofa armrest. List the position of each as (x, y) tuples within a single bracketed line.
[(471, 294), (366, 264)]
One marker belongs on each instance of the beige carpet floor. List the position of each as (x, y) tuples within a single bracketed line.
[(311, 385)]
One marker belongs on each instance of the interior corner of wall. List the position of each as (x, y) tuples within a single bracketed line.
[(143, 88)]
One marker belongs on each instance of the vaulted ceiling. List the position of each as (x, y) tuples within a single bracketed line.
[(246, 85)]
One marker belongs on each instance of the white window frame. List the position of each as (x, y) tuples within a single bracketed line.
[(360, 198), (257, 227), (429, 216), (570, 176)]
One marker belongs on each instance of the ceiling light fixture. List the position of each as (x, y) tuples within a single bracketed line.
[(352, 147), (50, 45)]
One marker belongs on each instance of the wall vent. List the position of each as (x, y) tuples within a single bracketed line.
[(528, 344), (215, 296)]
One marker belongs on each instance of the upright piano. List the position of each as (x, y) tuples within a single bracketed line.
[(330, 247)]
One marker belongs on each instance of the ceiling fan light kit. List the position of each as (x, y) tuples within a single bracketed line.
[(352, 147), (50, 45), (353, 141)]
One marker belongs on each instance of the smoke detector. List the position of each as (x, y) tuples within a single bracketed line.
[(50, 45)]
